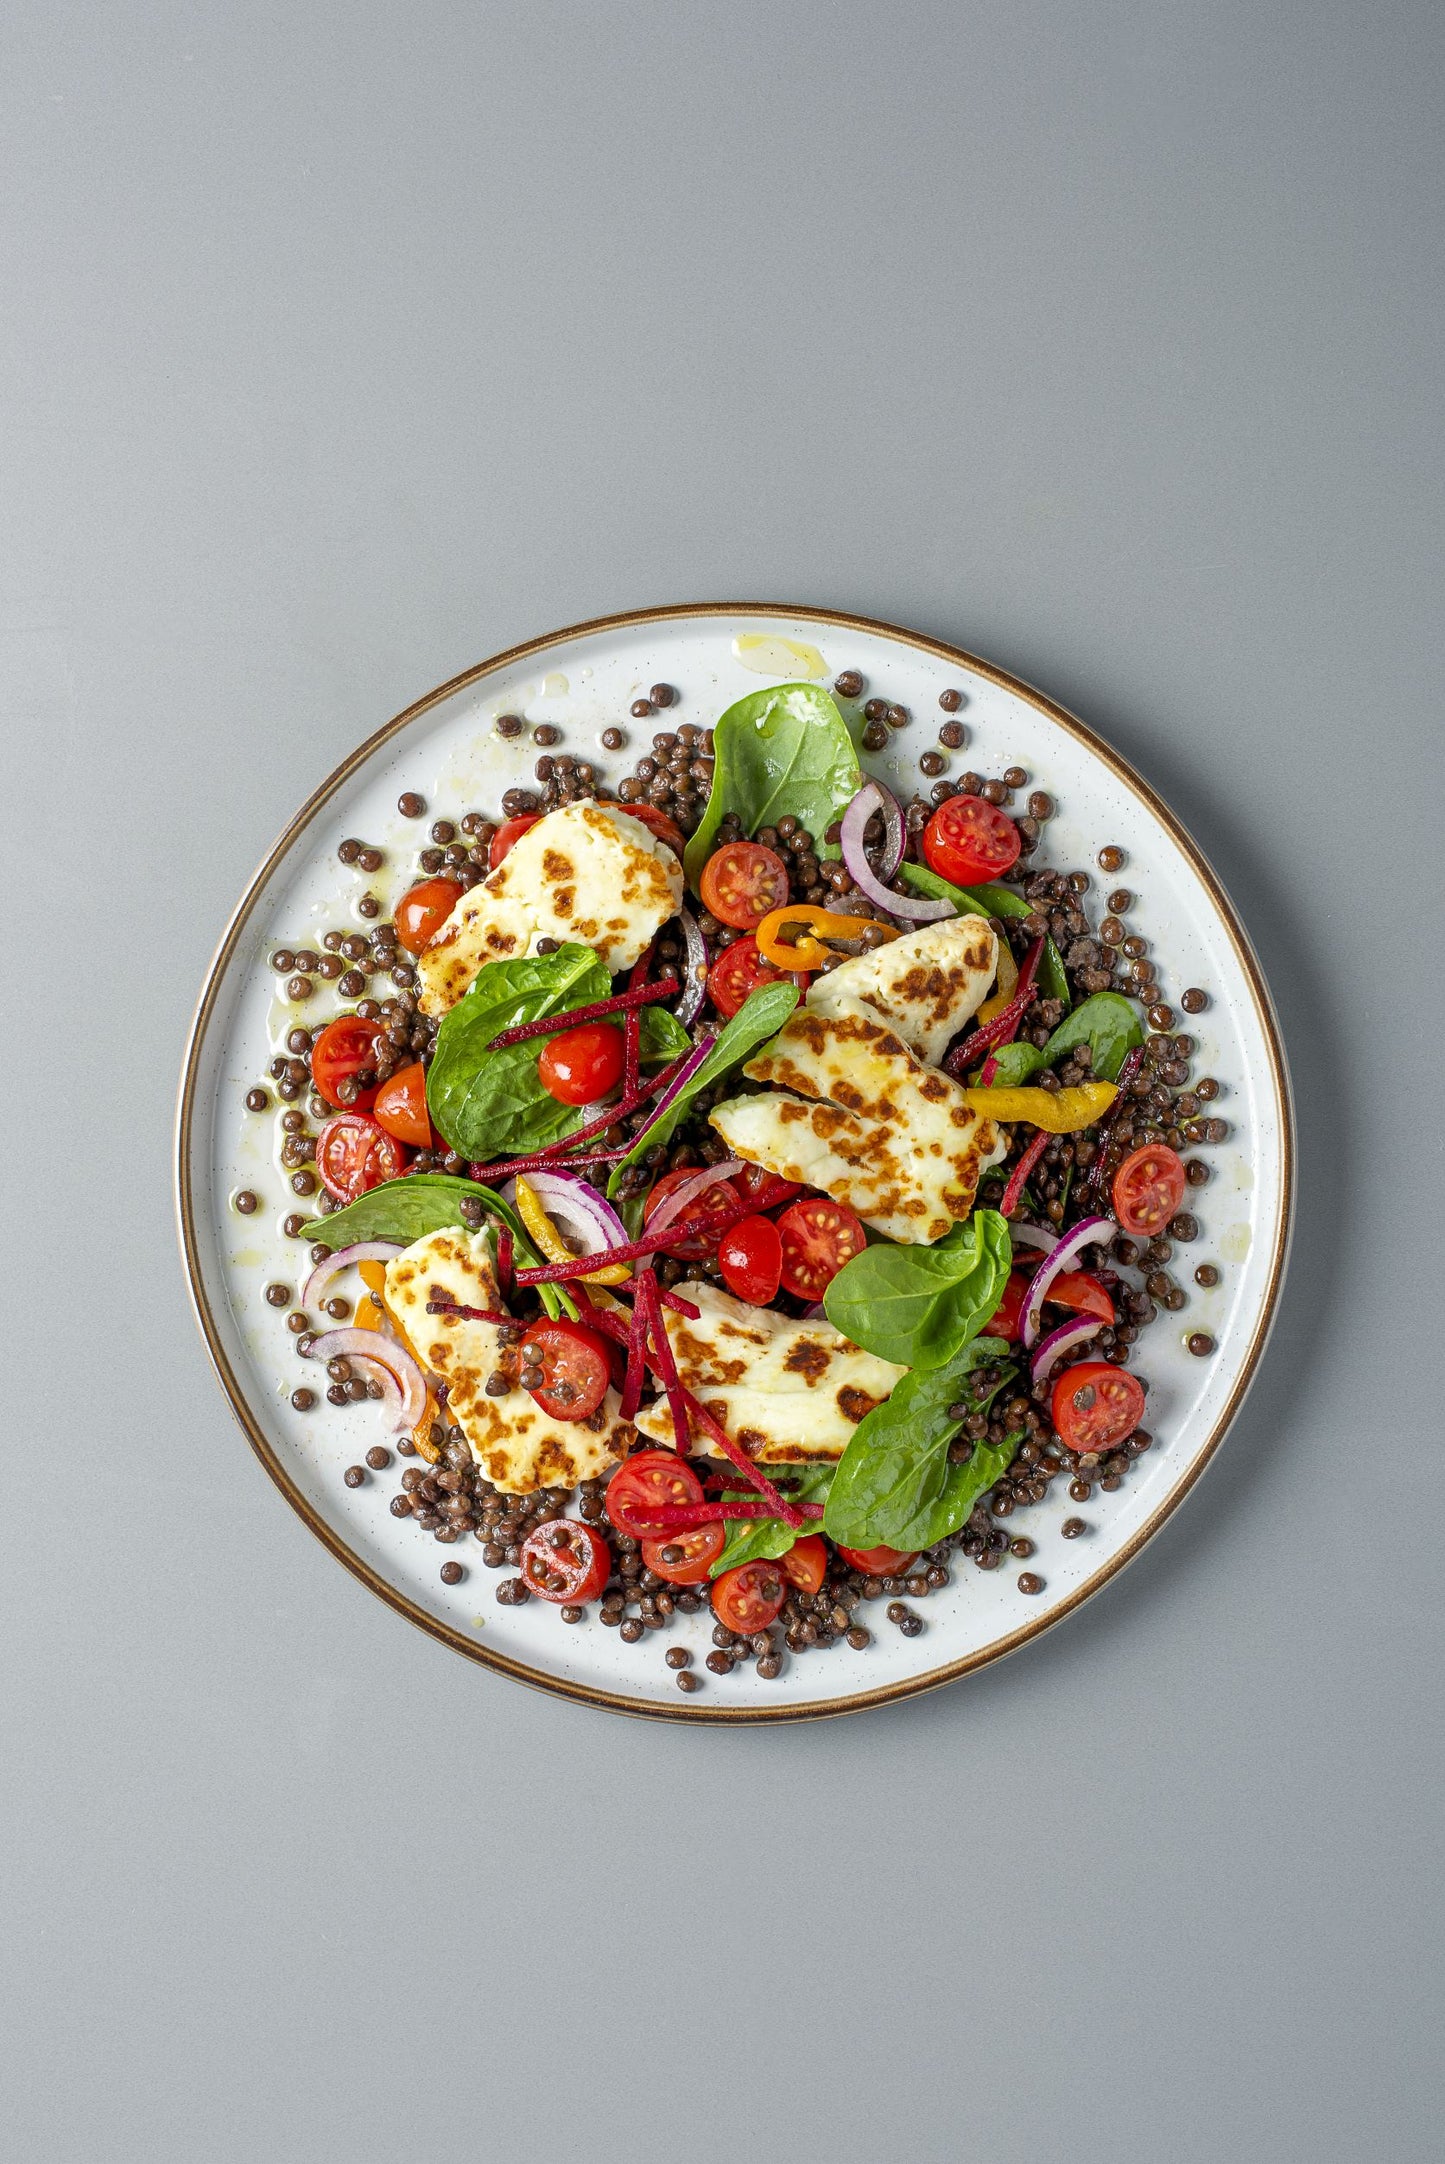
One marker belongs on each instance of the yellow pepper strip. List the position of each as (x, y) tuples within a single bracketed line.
[(1008, 984), (1058, 1112), (373, 1277), (554, 1249), (793, 918)]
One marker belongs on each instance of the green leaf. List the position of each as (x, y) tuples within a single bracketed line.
[(917, 1306), (661, 1036), (761, 1016), (786, 749), (1107, 1023), (492, 1104), (894, 1484), (757, 1540), (991, 901), (1014, 1065), (421, 1202)]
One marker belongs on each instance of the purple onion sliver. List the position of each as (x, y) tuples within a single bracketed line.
[(1060, 1256), (1078, 1330), (694, 982)]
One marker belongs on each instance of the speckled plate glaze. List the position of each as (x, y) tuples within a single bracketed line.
[(447, 747)]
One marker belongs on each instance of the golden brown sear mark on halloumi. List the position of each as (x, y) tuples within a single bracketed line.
[(809, 1359)]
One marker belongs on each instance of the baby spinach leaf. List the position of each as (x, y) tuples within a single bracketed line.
[(991, 901), (785, 749), (962, 1487), (661, 1036), (761, 1015), (894, 1482), (1107, 1024), (421, 1202), (1013, 1065), (492, 1104), (756, 1540), (918, 1305)]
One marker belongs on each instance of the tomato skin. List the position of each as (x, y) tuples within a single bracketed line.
[(878, 1562), (1149, 1186), (655, 819), (1115, 1409), (508, 834), (683, 1243), (346, 1047), (569, 1549), (750, 1257), (583, 1064), (576, 1368), (748, 1597), (806, 1563), (1006, 1320), (1080, 1291), (740, 969), (970, 841), (354, 1155), (700, 1550), (400, 1106), (742, 883), (818, 1237), (644, 1481), (764, 1189), (424, 909)]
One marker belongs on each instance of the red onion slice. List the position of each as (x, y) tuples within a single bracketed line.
[(1078, 1330), (1064, 1252), (1034, 1236), (873, 797), (694, 975), (578, 1209), (314, 1291), (688, 1191), (370, 1345)]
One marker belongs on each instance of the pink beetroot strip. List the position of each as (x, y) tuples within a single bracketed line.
[(549, 1025)]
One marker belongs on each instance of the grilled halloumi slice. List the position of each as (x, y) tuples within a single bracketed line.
[(924, 986), (852, 1111), (586, 872), (517, 1445), (786, 1391)]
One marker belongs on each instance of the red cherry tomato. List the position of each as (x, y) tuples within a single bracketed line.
[(645, 1482), (684, 1242), (739, 970), (970, 841), (401, 1106), (1148, 1188), (878, 1562), (1095, 1406), (424, 909), (655, 819), (764, 1189), (747, 1598), (353, 1154), (507, 835), (1006, 1320), (1081, 1292), (582, 1064), (818, 1237), (750, 1257), (346, 1048), (700, 1549), (742, 883), (806, 1563), (576, 1369), (566, 1560)]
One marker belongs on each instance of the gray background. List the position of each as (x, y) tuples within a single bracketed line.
[(341, 345)]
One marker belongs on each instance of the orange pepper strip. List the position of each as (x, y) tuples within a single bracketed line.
[(1008, 984), (807, 917)]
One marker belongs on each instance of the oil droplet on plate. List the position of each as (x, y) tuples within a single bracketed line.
[(768, 655), (1236, 1243), (555, 686)]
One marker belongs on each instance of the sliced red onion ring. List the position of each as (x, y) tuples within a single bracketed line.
[(578, 1210), (694, 975), (1034, 1236), (1060, 1256), (674, 1088), (873, 797), (688, 1190), (369, 1345), (1076, 1331), (314, 1291)]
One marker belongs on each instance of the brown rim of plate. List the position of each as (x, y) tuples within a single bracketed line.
[(682, 1710)]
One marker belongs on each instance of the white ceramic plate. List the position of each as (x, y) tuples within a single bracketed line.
[(447, 748)]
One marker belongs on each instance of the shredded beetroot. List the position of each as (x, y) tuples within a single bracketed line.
[(632, 1027), (678, 1306), (551, 1159), (1001, 1030), (548, 1025), (505, 1250), (664, 1365), (541, 1161), (1018, 1178), (779, 1506), (1134, 1060), (636, 1356), (550, 1273), (686, 1517), (466, 1314)]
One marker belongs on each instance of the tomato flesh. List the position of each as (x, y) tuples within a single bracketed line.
[(1148, 1188), (655, 819), (583, 1064), (742, 883), (818, 1237), (508, 834), (565, 1560), (683, 1241), (970, 841), (575, 1364), (1081, 1292), (700, 1549), (345, 1049), (401, 1106), (643, 1484), (750, 1257), (878, 1562), (354, 1155), (1096, 1406), (424, 909), (1006, 1320), (747, 1598), (739, 970), (806, 1563)]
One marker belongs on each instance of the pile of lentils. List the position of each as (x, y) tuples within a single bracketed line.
[(446, 1494)]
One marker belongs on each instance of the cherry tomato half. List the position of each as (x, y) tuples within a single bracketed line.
[(1148, 1188), (576, 1369), (401, 1106), (655, 819), (806, 1563), (353, 1154), (1095, 1406), (684, 1242), (878, 1562), (582, 1064), (566, 1560), (424, 909), (739, 970), (508, 834), (1006, 1320), (742, 883), (645, 1482), (747, 1598), (818, 1237), (345, 1049), (764, 1189), (970, 841), (750, 1257), (699, 1550), (1080, 1291)]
